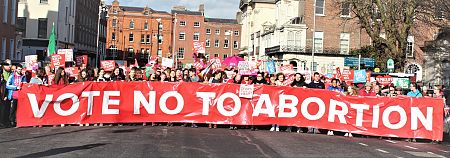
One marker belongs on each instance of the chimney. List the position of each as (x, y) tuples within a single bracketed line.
[(201, 8)]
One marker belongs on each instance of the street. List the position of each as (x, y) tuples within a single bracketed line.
[(161, 141)]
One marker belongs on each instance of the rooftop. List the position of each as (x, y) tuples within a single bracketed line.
[(218, 20)]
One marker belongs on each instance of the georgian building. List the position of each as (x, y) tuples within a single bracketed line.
[(8, 22)]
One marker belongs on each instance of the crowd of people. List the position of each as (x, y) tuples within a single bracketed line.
[(14, 75)]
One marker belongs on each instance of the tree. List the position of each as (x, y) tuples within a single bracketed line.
[(389, 22)]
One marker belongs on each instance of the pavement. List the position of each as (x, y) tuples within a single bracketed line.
[(161, 141)]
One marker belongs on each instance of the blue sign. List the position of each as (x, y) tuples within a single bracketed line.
[(271, 68), (360, 76), (353, 61)]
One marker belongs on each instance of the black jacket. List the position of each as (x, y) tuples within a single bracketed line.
[(318, 85)]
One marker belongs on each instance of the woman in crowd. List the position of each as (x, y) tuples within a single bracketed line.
[(83, 76), (163, 77), (299, 81), (61, 77), (218, 78), (40, 78), (391, 92), (101, 76), (352, 91), (414, 91), (132, 75), (260, 80), (279, 82), (245, 80), (173, 76), (377, 90), (117, 75), (273, 80), (236, 80), (153, 77)]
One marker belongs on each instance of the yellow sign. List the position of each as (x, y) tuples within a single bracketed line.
[(377, 70)]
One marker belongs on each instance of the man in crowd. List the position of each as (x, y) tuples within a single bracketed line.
[(316, 84), (13, 85), (193, 76), (5, 104), (367, 90), (335, 86)]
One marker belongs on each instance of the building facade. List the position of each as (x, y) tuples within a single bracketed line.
[(8, 22), (138, 33), (86, 28), (223, 37), (38, 17)]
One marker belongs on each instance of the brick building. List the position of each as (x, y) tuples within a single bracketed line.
[(8, 19), (133, 32), (223, 37)]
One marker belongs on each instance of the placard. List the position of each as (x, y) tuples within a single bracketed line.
[(31, 62), (57, 60), (68, 54), (199, 47), (246, 91), (108, 65), (83, 59), (72, 71), (244, 68), (360, 76), (217, 63), (167, 62), (271, 68)]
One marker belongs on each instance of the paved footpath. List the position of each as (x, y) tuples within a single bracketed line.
[(138, 141)]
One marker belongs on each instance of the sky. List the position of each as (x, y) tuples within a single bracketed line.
[(213, 8)]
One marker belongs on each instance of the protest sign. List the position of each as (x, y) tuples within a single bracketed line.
[(199, 47), (167, 62), (31, 62), (360, 76), (108, 65), (246, 91), (244, 68), (57, 60), (72, 71), (217, 63), (83, 59), (68, 54)]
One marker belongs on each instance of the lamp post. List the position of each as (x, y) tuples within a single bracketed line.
[(158, 36), (314, 38), (174, 53)]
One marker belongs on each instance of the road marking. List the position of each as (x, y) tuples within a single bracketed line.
[(410, 147), (363, 144), (382, 151), (390, 141), (436, 154), (424, 154), (445, 151)]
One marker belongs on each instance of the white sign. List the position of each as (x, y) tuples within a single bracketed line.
[(31, 62), (68, 53), (166, 62), (246, 91)]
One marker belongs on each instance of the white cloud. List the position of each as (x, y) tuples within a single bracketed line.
[(213, 8)]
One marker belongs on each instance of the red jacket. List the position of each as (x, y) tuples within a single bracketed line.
[(363, 93)]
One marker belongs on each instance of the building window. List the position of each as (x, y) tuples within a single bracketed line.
[(410, 47), (13, 12), (132, 25), (182, 36), (142, 51), (130, 50), (131, 38), (235, 44), (3, 48), (146, 13), (5, 11), (345, 43), (217, 32), (320, 7), (113, 36), (182, 23), (146, 26), (44, 1), (42, 28), (345, 10), (159, 52), (196, 24), (147, 51), (298, 40), (236, 33), (114, 23), (22, 25), (160, 40), (208, 31), (225, 56), (196, 36), (318, 42), (226, 44), (216, 55), (148, 39), (217, 43), (208, 43), (291, 39), (142, 38), (180, 53), (315, 66)]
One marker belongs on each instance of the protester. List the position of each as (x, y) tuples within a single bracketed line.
[(101, 76), (13, 86), (5, 105), (61, 77), (272, 80), (132, 75), (391, 92), (414, 91), (335, 86), (377, 90), (260, 79), (316, 84), (367, 90), (40, 78), (163, 77), (117, 75), (279, 82), (193, 76), (84, 76), (299, 81)]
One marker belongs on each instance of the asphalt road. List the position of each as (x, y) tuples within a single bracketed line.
[(138, 141)]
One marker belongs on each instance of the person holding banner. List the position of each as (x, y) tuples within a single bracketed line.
[(315, 84), (132, 75), (61, 77), (218, 79), (299, 81), (101, 76), (279, 82), (367, 90), (84, 76), (117, 75), (259, 80), (13, 86), (414, 91)]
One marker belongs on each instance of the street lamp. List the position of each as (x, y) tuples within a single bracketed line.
[(174, 53), (158, 36)]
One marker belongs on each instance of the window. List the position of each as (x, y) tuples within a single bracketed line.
[(131, 38), (114, 23), (44, 1), (182, 23), (113, 36), (320, 7), (226, 43), (159, 52), (180, 53), (147, 51), (132, 24), (160, 40), (208, 43), (146, 26), (216, 55), (148, 39), (228, 32), (182, 36), (42, 28), (315, 66), (410, 47), (130, 50), (225, 56), (13, 12), (345, 43), (22, 24), (216, 43), (146, 13), (3, 48), (142, 38), (236, 33), (235, 44), (196, 24), (5, 11), (345, 10), (208, 31), (217, 32), (142, 51), (291, 39), (318, 42), (196, 36)]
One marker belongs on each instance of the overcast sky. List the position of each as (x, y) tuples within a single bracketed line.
[(214, 8)]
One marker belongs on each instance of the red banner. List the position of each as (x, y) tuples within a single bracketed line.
[(108, 65), (58, 60), (72, 71), (385, 80), (127, 102)]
